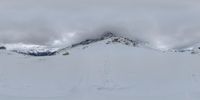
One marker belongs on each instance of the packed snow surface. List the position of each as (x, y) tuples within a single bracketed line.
[(101, 71)]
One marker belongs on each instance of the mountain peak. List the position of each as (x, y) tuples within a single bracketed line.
[(108, 35), (104, 36)]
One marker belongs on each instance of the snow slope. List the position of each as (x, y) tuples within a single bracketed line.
[(101, 71)]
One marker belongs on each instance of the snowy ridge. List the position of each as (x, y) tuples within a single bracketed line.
[(38, 50), (194, 49), (107, 38), (32, 50), (112, 38)]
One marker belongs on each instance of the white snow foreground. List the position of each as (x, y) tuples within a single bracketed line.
[(101, 71)]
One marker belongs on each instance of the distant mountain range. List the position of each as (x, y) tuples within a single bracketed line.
[(107, 38)]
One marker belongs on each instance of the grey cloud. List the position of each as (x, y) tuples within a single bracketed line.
[(171, 23)]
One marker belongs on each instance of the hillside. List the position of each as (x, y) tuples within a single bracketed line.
[(101, 71)]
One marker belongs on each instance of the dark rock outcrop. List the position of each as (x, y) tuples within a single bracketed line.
[(2, 48), (37, 53), (125, 41), (66, 53), (89, 41)]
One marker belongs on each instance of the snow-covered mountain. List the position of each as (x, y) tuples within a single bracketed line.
[(30, 49), (107, 39), (193, 49), (38, 50), (100, 71)]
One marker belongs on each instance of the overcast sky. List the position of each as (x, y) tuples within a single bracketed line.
[(166, 24)]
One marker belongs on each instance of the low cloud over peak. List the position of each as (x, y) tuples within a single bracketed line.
[(170, 24)]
